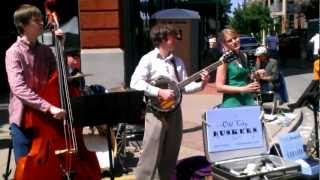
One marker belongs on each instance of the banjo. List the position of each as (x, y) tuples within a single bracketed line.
[(164, 106)]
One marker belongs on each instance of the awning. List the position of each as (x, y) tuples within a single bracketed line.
[(176, 14), (197, 1)]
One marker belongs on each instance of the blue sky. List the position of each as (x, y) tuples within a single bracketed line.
[(235, 4)]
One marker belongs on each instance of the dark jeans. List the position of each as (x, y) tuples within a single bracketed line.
[(20, 141)]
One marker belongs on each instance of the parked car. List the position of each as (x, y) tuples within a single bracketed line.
[(248, 45)]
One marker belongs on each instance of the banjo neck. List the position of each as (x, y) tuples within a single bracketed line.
[(164, 106), (197, 75)]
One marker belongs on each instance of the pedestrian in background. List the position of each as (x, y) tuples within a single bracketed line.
[(212, 54), (315, 40), (273, 79), (163, 131), (72, 55), (270, 65), (272, 42), (233, 79), (316, 67)]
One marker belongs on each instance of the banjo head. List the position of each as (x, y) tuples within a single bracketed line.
[(166, 106)]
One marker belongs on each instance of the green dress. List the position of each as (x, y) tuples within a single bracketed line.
[(237, 75)]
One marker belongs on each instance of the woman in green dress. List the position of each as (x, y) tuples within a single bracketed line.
[(233, 79)]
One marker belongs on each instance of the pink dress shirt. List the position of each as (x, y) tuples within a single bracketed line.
[(28, 69)]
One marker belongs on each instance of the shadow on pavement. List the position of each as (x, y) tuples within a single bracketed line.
[(295, 68), (123, 165), (3, 117), (4, 143), (4, 99), (193, 129)]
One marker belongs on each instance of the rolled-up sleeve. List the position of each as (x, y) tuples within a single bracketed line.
[(193, 86), (141, 76)]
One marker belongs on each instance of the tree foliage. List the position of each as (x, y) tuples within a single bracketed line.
[(225, 6), (251, 18)]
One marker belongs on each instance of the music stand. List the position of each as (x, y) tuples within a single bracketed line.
[(109, 108), (311, 97)]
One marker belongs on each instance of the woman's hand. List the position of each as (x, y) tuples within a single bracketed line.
[(251, 87)]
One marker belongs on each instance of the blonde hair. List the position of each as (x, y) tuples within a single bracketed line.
[(227, 31)]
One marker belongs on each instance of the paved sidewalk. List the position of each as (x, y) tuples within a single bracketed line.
[(193, 106)]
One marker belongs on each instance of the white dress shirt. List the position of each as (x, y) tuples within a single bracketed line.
[(152, 66)]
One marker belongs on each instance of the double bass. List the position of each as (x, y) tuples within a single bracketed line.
[(57, 149)]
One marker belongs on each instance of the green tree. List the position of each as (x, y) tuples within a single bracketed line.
[(208, 9), (225, 8), (252, 18)]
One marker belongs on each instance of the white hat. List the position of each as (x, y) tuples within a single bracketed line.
[(261, 51)]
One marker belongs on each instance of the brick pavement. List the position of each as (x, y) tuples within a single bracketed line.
[(193, 106)]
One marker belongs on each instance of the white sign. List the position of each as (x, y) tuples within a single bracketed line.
[(234, 128), (291, 146)]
